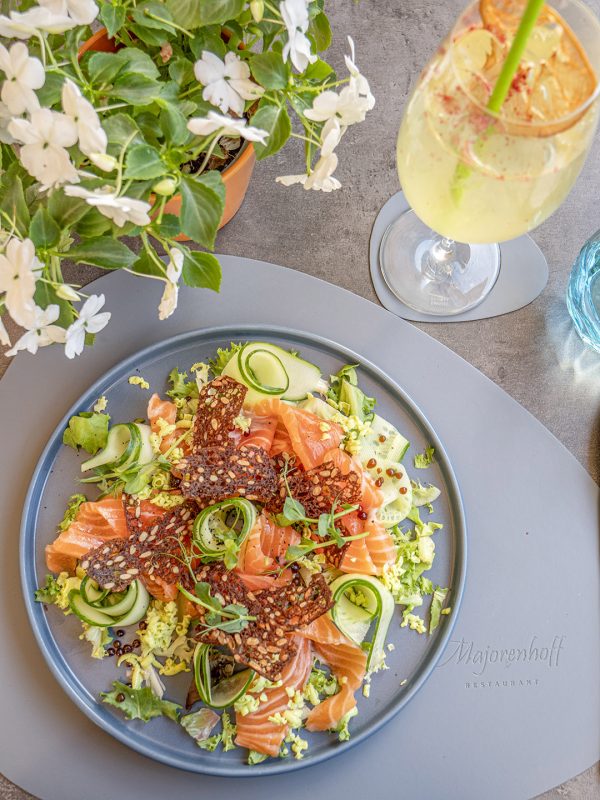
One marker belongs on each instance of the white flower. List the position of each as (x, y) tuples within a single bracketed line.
[(119, 209), (32, 22), (350, 105), (203, 126), (295, 16), (320, 177), (91, 135), (103, 161), (82, 12), (5, 119), (89, 321), (44, 139), (23, 75), (19, 270), (4, 337), (41, 331), (168, 302), (226, 83)]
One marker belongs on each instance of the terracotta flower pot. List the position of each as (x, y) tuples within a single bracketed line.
[(236, 176)]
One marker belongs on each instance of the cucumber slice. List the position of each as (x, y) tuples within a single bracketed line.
[(146, 453), (214, 522), (393, 447), (123, 445), (302, 376), (91, 592), (139, 608), (264, 372), (390, 477), (124, 605), (88, 613), (226, 691), (395, 512), (319, 408), (352, 619)]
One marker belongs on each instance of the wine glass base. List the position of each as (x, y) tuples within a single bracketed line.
[(445, 288)]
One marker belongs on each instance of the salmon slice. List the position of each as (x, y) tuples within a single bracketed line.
[(301, 430), (59, 562), (345, 660), (265, 545), (163, 409), (255, 731), (380, 544), (262, 431), (371, 496), (96, 522), (357, 557)]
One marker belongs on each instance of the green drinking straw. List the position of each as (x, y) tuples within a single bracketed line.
[(502, 86), (515, 54)]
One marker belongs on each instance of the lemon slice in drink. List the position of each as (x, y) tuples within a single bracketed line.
[(555, 77)]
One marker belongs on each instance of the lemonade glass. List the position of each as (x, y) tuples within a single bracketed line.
[(477, 177)]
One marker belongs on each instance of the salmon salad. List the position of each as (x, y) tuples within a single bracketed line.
[(255, 531)]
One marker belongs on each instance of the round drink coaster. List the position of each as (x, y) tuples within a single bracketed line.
[(523, 274)]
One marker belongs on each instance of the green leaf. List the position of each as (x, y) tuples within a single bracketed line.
[(120, 128), (324, 522), (88, 430), (13, 200), (48, 592), (320, 30), (43, 231), (137, 62), (51, 91), (143, 162), (45, 295), (276, 122), (293, 510), (174, 124), (224, 355), (424, 460), (103, 251), (270, 70), (180, 387), (113, 17), (202, 592), (143, 10), (71, 511), (202, 205), (139, 703), (437, 601), (169, 226), (196, 13), (181, 70), (151, 36), (139, 90), (318, 71), (66, 211), (208, 38), (104, 67), (92, 224), (146, 265), (201, 270)]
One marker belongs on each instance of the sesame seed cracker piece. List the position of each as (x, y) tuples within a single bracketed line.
[(219, 473), (219, 404), (265, 644), (109, 564), (319, 488)]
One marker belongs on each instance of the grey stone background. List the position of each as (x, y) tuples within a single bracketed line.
[(533, 353)]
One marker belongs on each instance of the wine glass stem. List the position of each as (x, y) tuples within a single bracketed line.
[(443, 258)]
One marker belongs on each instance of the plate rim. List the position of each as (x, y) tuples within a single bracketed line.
[(69, 682)]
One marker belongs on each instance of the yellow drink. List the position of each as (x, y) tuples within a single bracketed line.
[(476, 178)]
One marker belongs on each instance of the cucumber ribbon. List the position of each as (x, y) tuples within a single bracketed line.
[(225, 691), (229, 520), (354, 621)]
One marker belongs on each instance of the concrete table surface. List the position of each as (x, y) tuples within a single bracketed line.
[(532, 353)]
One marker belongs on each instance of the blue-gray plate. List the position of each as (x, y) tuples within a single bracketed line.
[(83, 678)]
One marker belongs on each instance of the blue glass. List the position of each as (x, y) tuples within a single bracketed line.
[(583, 293)]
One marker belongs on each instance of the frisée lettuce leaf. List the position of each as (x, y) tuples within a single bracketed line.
[(88, 431), (139, 703)]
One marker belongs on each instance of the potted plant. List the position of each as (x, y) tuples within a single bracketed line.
[(149, 127)]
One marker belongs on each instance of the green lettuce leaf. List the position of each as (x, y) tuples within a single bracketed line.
[(424, 460), (254, 757), (218, 364), (180, 387), (139, 703), (437, 601), (199, 725), (48, 592), (88, 430), (71, 512), (348, 397)]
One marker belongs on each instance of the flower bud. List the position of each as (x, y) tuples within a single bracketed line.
[(66, 292), (165, 187), (103, 161), (257, 9)]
